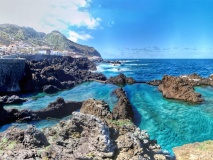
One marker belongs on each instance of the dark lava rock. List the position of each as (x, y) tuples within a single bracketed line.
[(14, 99), (123, 109), (121, 79), (63, 73), (58, 109), (50, 89)]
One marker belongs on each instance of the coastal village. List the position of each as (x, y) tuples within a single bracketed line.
[(20, 47)]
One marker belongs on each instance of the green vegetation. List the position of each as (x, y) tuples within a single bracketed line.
[(207, 145), (121, 122), (55, 40)]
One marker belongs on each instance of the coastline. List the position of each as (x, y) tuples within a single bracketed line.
[(142, 117)]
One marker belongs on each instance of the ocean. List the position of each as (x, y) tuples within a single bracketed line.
[(172, 123)]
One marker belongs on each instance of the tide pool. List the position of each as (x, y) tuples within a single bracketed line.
[(172, 123), (81, 92)]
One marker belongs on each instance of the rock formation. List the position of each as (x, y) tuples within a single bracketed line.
[(97, 108), (182, 87), (120, 80), (12, 99), (57, 109), (123, 109), (195, 151), (154, 82), (52, 75), (83, 136), (178, 88)]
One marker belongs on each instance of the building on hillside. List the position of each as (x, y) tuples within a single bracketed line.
[(3, 48), (12, 48), (58, 53)]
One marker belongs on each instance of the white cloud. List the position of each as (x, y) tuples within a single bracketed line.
[(74, 36), (48, 15)]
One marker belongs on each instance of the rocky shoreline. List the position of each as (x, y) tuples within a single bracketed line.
[(89, 134), (182, 87)]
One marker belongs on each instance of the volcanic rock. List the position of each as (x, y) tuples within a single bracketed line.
[(154, 82), (123, 109), (99, 109), (58, 109), (178, 88), (14, 99), (121, 79), (83, 136), (50, 89)]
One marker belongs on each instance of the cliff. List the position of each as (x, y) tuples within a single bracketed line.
[(11, 72)]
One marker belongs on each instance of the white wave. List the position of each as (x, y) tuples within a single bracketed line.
[(135, 64), (128, 60)]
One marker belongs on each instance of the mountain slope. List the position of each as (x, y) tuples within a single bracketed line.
[(55, 40)]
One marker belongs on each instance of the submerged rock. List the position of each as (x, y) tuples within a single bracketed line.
[(121, 79)]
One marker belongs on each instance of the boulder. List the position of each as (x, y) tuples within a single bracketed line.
[(97, 108)]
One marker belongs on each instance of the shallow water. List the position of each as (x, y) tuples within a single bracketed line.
[(172, 123), (81, 92)]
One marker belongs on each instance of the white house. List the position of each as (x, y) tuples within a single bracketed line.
[(3, 48)]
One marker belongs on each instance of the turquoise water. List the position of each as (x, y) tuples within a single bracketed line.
[(81, 92), (172, 123)]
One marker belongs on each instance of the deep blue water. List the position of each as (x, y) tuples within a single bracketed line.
[(172, 123), (149, 69)]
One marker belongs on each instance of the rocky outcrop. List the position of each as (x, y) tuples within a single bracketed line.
[(81, 137), (97, 108), (54, 74), (11, 72), (182, 87), (178, 88), (120, 80), (58, 109), (13, 115), (195, 151), (123, 109), (14, 99)]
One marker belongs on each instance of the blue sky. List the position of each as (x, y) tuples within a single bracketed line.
[(125, 28)]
